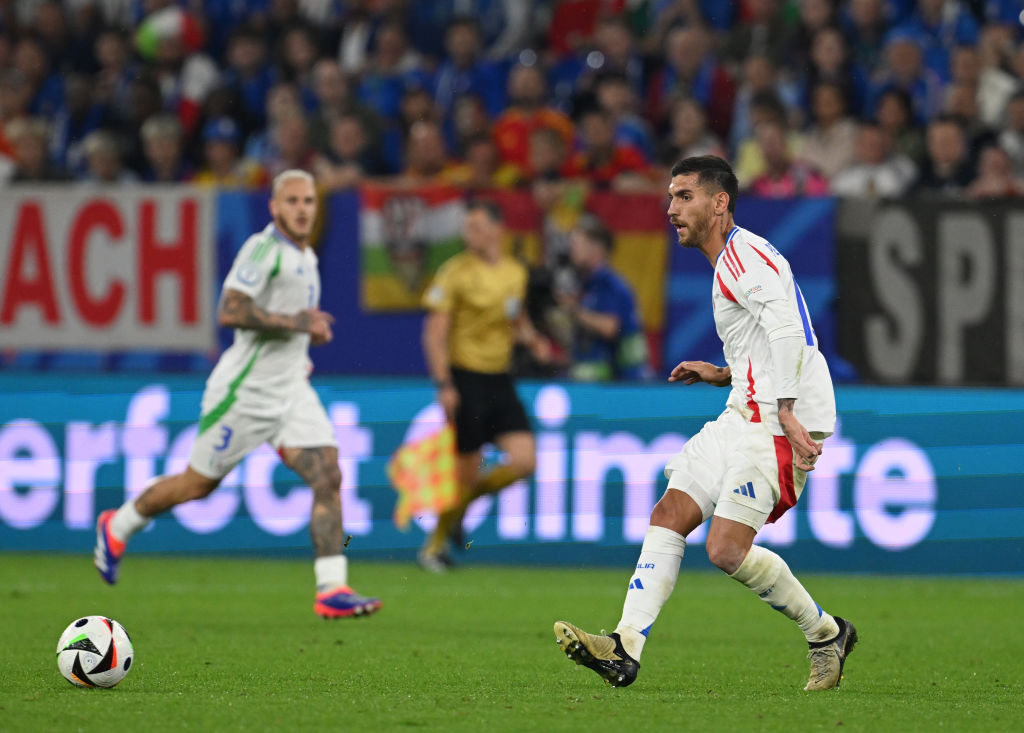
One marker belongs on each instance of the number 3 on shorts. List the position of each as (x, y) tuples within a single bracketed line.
[(225, 437)]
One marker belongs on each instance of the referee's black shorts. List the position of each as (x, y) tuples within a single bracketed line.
[(488, 407)]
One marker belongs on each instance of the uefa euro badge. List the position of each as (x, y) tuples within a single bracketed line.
[(511, 307)]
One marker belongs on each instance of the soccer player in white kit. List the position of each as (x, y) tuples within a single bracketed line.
[(748, 466), (258, 392)]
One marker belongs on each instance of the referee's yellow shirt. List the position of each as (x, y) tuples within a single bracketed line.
[(483, 300)]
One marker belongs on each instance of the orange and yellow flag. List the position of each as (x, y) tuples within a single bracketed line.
[(423, 474)]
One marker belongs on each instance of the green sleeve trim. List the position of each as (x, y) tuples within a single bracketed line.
[(210, 419), (277, 266)]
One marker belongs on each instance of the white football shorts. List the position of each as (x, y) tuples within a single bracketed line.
[(738, 470), (237, 432)]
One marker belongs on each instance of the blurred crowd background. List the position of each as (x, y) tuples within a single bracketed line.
[(805, 97)]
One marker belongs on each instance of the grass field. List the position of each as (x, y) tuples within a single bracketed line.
[(232, 644)]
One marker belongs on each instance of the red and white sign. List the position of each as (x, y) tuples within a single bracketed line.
[(125, 269)]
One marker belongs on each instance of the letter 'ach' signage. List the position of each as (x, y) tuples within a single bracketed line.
[(81, 269)]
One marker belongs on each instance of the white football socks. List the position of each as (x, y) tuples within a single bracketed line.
[(331, 572), (127, 521), (656, 571), (769, 576)]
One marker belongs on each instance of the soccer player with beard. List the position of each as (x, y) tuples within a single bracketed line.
[(258, 392), (747, 467)]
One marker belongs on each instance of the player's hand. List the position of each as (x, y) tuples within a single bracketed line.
[(691, 372), (805, 450), (448, 397), (319, 325)]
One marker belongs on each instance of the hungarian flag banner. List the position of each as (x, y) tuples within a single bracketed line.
[(404, 235), (423, 473)]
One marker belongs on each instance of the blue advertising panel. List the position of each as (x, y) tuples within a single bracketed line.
[(915, 480), (801, 229)]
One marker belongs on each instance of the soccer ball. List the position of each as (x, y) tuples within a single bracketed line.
[(95, 651)]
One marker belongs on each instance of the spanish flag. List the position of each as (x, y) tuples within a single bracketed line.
[(423, 474)]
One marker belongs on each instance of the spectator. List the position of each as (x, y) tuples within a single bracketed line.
[(282, 99), (995, 82), (290, 145), (47, 90), (163, 146), (961, 101), (760, 78), (828, 144), (103, 160), (224, 166), (903, 69), (829, 63), (1011, 139), (764, 32), (15, 98), (249, 74), (384, 76), (333, 99), (548, 158), (112, 81), (876, 171), (29, 137), (688, 134), (611, 48), (425, 154), (504, 25), (864, 25), (615, 95), (603, 161), (784, 177), (750, 162), (349, 157), (528, 111), (947, 169), (481, 169), (995, 177), (608, 342), (467, 122), (79, 115), (941, 25), (298, 54), (466, 71), (813, 16), (896, 118), (692, 69)]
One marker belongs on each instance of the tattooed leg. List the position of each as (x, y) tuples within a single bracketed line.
[(318, 467)]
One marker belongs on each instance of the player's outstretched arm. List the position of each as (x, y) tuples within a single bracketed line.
[(691, 372), (237, 310)]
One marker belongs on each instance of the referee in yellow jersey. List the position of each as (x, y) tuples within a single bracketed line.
[(475, 314)]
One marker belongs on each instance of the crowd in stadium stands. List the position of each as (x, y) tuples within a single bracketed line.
[(805, 97)]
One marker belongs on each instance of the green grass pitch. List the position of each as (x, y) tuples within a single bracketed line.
[(233, 644)]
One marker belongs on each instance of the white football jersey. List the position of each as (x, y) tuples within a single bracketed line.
[(260, 366), (749, 273)]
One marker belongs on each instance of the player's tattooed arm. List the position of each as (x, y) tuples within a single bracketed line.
[(237, 310), (786, 404)]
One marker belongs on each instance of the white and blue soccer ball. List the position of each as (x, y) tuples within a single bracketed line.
[(95, 651)]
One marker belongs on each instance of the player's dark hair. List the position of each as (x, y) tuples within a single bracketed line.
[(489, 207), (713, 173)]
